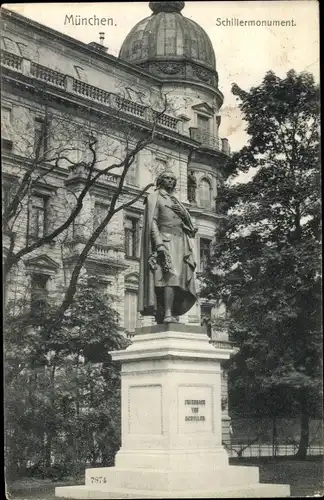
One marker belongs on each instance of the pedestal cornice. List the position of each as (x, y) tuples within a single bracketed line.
[(171, 341)]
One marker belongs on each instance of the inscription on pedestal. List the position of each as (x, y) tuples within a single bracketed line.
[(98, 480), (195, 405), (195, 409)]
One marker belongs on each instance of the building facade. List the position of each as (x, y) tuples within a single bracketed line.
[(57, 95)]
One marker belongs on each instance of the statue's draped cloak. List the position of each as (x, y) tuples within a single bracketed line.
[(186, 295)]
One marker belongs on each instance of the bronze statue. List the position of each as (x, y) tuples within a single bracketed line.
[(192, 187), (167, 283)]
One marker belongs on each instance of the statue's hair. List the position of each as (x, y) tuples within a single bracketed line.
[(161, 176)]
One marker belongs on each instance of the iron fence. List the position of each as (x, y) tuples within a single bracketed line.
[(246, 450)]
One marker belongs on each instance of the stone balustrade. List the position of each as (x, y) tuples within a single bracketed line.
[(81, 170), (91, 92), (11, 60), (207, 140), (83, 89), (47, 75), (107, 251), (101, 249), (130, 107), (166, 120)]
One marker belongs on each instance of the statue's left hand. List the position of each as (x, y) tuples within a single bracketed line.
[(178, 210)]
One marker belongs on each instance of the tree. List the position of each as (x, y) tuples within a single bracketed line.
[(71, 145), (64, 402), (58, 384), (266, 263)]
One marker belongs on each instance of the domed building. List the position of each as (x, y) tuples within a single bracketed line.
[(47, 73)]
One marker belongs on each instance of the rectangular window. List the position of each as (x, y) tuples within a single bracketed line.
[(8, 192), (170, 44), (205, 194), (131, 315), (205, 249), (40, 138), (6, 128), (6, 115), (194, 48), (86, 153), (206, 317), (131, 176), (203, 124), (100, 212), (38, 216), (38, 292), (131, 237)]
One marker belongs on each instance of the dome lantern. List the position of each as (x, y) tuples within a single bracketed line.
[(166, 6)]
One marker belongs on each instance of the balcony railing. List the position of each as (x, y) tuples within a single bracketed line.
[(166, 120), (207, 140), (110, 99), (82, 170), (94, 93), (130, 107), (11, 60), (101, 248), (47, 75)]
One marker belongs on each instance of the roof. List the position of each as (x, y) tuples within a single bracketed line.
[(168, 35)]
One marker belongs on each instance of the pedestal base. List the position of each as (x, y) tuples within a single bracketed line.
[(171, 425), (220, 482)]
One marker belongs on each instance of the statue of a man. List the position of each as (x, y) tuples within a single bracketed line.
[(192, 187), (167, 283)]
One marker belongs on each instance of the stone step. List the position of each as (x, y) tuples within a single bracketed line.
[(250, 491), (174, 480)]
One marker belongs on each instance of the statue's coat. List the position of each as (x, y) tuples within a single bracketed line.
[(185, 296)]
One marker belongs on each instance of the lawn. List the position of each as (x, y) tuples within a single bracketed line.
[(305, 478)]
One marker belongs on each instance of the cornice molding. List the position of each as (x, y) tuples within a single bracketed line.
[(64, 97), (23, 161), (210, 155), (76, 44), (43, 262), (203, 213), (204, 106)]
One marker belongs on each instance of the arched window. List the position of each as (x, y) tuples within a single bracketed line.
[(205, 194)]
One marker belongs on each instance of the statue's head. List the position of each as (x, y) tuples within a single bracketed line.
[(166, 180)]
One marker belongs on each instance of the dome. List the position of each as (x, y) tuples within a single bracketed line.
[(171, 45)]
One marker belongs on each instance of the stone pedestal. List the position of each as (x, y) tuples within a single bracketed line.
[(171, 425)]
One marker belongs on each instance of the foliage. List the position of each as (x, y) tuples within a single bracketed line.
[(266, 265), (62, 397), (73, 147)]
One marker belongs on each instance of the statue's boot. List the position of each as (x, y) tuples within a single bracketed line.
[(170, 319)]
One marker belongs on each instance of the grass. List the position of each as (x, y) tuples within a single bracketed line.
[(305, 478)]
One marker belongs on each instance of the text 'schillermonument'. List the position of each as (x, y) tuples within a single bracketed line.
[(167, 283)]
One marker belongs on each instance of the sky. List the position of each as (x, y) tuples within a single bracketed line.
[(243, 53)]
